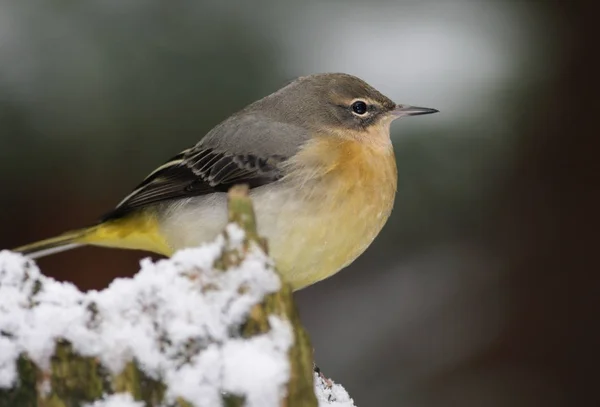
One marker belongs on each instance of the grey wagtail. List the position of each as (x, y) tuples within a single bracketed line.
[(319, 162)]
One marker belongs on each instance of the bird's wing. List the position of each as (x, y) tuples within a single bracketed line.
[(197, 172), (213, 165)]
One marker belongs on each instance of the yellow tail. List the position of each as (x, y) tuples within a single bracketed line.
[(66, 241), (138, 232)]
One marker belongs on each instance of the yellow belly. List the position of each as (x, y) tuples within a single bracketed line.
[(325, 222), (322, 240)]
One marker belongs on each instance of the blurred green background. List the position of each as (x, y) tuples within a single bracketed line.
[(480, 291)]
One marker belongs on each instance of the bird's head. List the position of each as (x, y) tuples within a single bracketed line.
[(337, 104)]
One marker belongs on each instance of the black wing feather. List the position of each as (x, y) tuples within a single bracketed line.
[(199, 172)]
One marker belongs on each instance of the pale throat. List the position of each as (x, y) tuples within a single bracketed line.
[(375, 136)]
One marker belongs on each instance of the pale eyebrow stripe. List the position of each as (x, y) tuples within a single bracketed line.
[(348, 102)]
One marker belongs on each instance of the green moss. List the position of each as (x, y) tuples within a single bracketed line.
[(300, 389), (301, 385), (241, 211), (132, 380), (182, 403), (25, 393), (75, 379), (231, 400)]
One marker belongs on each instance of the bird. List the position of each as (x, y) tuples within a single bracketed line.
[(317, 158)]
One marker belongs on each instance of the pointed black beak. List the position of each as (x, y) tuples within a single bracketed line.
[(406, 110)]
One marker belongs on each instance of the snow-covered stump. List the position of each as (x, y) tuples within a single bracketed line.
[(212, 326)]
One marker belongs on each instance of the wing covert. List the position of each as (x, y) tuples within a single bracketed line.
[(199, 171)]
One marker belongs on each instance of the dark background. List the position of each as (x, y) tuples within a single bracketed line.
[(483, 288)]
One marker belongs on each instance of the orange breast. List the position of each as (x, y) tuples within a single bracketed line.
[(347, 191)]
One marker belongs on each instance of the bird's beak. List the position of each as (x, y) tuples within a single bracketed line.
[(406, 110)]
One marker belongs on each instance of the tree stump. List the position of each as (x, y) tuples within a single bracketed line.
[(75, 366)]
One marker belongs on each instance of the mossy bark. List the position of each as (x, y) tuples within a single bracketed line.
[(73, 380), (300, 390)]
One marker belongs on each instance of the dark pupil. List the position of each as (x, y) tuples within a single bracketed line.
[(359, 107)]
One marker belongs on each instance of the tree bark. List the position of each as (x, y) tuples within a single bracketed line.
[(73, 380)]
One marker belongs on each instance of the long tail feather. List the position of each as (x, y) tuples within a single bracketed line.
[(66, 241), (133, 232)]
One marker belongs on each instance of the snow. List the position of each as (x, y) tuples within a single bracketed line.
[(178, 318), (116, 400), (8, 372), (331, 395), (175, 318)]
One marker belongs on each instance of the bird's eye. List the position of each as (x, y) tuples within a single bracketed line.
[(359, 107)]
